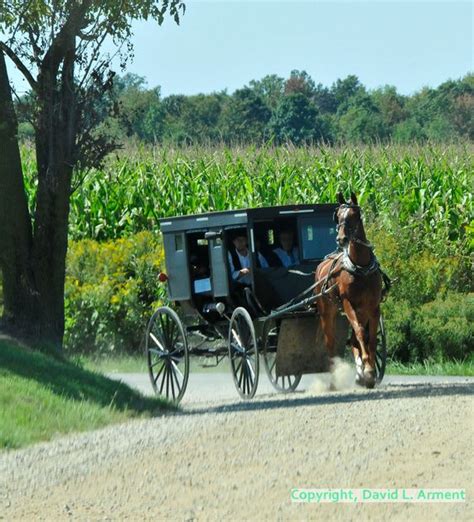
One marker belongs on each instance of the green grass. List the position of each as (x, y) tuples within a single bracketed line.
[(41, 397), (138, 364), (134, 364), (456, 368)]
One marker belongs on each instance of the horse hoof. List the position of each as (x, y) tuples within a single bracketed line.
[(369, 378), (359, 380)]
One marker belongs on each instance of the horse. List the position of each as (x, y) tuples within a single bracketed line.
[(351, 278)]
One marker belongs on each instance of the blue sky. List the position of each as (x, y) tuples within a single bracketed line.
[(225, 44)]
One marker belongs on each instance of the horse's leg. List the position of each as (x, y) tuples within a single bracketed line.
[(358, 323), (327, 317), (328, 320), (354, 343), (373, 328)]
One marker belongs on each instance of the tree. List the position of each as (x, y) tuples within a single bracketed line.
[(140, 111), (192, 119), (296, 120), (361, 121), (270, 88), (390, 104), (324, 99), (343, 90), (409, 131), (57, 47), (300, 82), (245, 117)]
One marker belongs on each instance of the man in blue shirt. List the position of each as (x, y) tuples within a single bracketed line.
[(239, 260), (287, 252)]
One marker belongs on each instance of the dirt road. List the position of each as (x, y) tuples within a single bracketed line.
[(230, 460)]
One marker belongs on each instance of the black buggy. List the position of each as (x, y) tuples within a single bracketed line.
[(272, 319)]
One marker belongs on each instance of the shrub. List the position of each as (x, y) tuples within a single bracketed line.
[(440, 330), (111, 289), (420, 274)]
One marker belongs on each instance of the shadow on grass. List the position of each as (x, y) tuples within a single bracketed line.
[(70, 380)]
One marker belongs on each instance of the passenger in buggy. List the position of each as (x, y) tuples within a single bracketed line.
[(240, 269), (266, 258), (287, 252), (239, 259)]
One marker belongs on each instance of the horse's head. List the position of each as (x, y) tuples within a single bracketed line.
[(348, 219)]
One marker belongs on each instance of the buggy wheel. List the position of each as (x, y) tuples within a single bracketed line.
[(167, 354), (284, 383), (380, 352), (243, 353)]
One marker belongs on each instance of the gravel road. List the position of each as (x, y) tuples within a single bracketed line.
[(224, 459)]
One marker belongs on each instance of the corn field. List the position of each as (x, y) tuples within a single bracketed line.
[(424, 189)]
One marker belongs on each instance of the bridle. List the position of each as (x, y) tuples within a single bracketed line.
[(351, 232)]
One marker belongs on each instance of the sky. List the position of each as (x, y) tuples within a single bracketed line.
[(225, 44)]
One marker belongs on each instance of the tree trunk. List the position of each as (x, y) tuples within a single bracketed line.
[(34, 264), (55, 139), (20, 297)]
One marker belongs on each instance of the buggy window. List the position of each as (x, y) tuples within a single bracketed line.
[(199, 263), (318, 236)]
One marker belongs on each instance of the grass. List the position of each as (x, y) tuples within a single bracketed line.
[(134, 364), (456, 368), (41, 397), (138, 364)]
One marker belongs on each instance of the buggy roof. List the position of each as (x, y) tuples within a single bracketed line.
[(240, 217)]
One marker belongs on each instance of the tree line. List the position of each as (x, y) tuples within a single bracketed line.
[(295, 110)]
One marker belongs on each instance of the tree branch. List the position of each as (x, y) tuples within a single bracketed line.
[(34, 46), (72, 25), (19, 64)]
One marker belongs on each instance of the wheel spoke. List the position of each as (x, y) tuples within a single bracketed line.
[(246, 381), (251, 375), (242, 371), (251, 371), (173, 333), (156, 341), (172, 380), (159, 373), (163, 380), (155, 363), (178, 371), (162, 329), (237, 337), (168, 324), (273, 366), (159, 329), (238, 365), (174, 340), (178, 385)]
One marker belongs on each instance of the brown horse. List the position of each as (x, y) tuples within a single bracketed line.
[(356, 281)]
